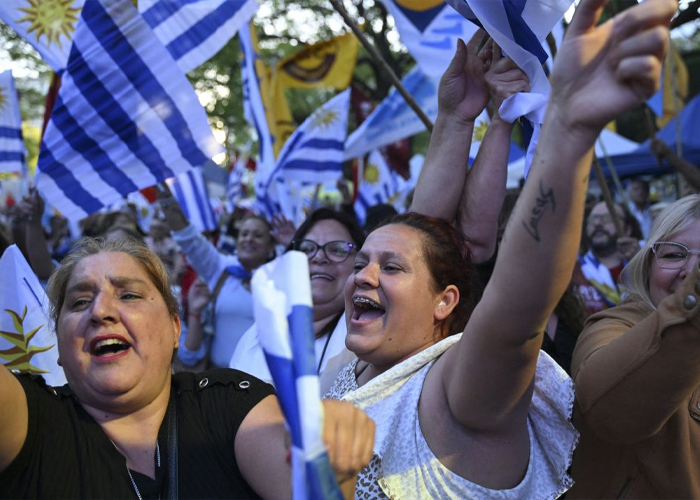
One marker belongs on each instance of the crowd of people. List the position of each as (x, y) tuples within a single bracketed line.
[(459, 357)]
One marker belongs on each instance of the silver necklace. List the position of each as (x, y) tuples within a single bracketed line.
[(128, 471)]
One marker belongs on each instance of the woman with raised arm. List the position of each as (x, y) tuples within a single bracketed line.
[(123, 426), (637, 374), (484, 414)]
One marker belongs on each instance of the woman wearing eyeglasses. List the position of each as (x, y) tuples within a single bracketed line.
[(637, 373), (330, 239)]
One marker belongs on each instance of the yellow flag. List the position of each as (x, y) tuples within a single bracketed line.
[(675, 84)]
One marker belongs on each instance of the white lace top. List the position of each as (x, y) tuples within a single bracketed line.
[(405, 468)]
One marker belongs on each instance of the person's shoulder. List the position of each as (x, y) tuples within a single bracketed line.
[(631, 309)]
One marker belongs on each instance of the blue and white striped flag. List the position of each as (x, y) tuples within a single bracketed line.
[(48, 25), (314, 152), (125, 118), (12, 150), (379, 184), (519, 27), (194, 30), (393, 119), (234, 185), (190, 190), (284, 319), (254, 111), (430, 30)]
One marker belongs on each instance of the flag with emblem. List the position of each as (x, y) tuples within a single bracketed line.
[(284, 318), (125, 118), (48, 25), (314, 153), (379, 184), (393, 119), (430, 30), (190, 190), (12, 150), (27, 341), (194, 30)]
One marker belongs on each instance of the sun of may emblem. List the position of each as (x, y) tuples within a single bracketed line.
[(51, 19), (325, 118), (3, 98), (371, 173)]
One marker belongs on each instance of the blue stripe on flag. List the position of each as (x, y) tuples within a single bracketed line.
[(321, 477), (10, 132), (180, 195), (300, 324), (93, 153), (202, 204), (68, 184), (522, 34), (323, 144), (200, 31), (144, 81), (318, 166), (109, 109), (282, 371), (10, 156)]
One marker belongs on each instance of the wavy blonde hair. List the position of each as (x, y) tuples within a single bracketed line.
[(672, 220)]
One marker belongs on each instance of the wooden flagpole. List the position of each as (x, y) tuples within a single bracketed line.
[(382, 63)]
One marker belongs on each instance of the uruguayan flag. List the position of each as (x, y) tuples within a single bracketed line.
[(234, 186), (27, 341), (12, 150), (519, 27), (393, 119), (430, 30), (48, 25), (379, 184), (194, 30), (314, 152), (125, 118), (190, 189), (254, 111), (284, 319)]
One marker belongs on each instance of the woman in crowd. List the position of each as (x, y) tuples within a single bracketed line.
[(637, 374), (330, 239), (124, 427), (475, 415), (228, 279)]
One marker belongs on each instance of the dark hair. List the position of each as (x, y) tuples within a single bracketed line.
[(377, 214), (447, 256), (357, 235)]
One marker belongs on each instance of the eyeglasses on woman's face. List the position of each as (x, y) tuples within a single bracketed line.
[(671, 255), (336, 251)]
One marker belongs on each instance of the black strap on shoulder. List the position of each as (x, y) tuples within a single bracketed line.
[(172, 493)]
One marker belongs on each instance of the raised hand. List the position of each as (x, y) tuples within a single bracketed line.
[(32, 205), (601, 72), (503, 77), (198, 296), (463, 93), (283, 230)]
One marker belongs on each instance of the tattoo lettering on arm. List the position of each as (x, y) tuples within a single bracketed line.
[(544, 200)]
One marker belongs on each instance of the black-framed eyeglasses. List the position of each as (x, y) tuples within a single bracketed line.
[(671, 255), (336, 251)]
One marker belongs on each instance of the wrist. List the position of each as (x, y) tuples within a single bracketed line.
[(196, 315), (451, 121)]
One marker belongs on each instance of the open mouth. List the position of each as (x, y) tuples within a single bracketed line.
[(321, 276), (366, 309), (106, 347)]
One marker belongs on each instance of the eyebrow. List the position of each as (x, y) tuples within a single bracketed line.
[(384, 255), (118, 281)]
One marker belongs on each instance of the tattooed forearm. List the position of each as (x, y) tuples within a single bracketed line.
[(544, 200)]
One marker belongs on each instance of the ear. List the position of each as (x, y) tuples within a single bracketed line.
[(177, 329), (447, 301), (58, 362)]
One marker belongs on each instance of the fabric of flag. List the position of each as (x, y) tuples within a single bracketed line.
[(12, 150), (393, 119), (234, 186), (194, 30), (314, 153), (379, 184), (670, 98), (327, 64), (190, 190), (125, 117), (48, 25), (284, 318), (27, 340), (430, 30), (254, 110)]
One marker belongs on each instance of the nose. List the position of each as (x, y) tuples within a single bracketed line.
[(367, 277), (104, 309), (693, 260), (320, 257)]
